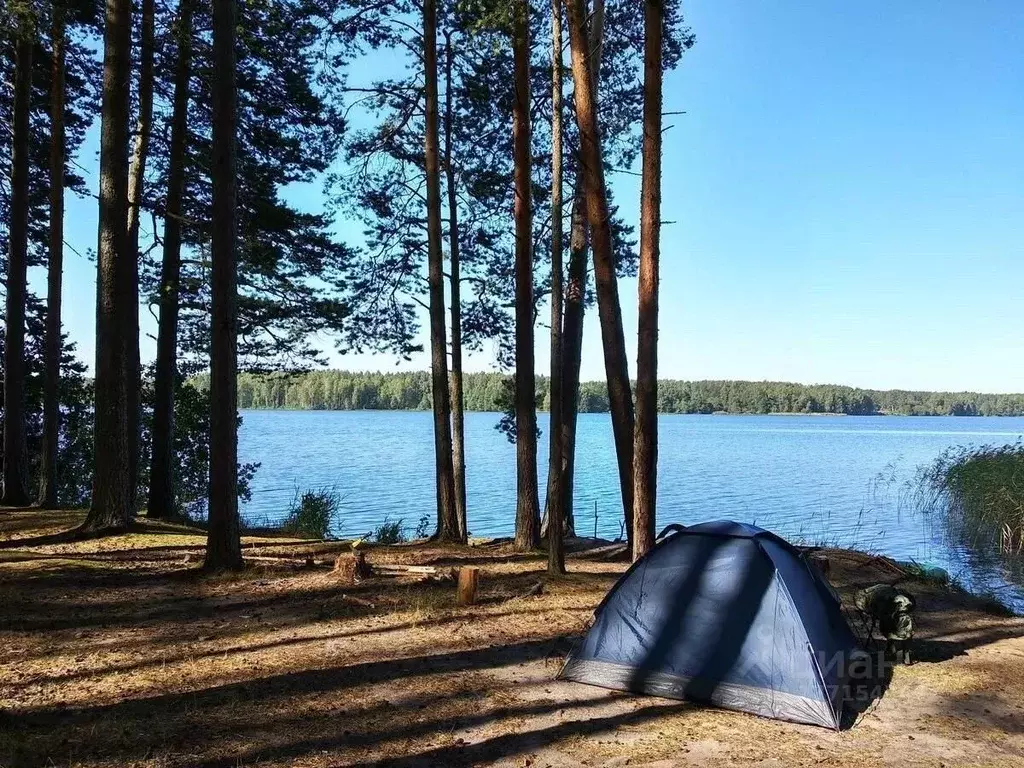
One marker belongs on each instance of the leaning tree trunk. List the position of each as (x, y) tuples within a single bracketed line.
[(527, 501), (457, 395), (572, 355), (111, 507), (136, 177), (161, 474), (556, 514), (447, 517), (48, 468), (609, 310), (645, 444), (15, 465), (223, 541), (561, 492)]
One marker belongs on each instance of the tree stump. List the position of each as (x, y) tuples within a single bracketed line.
[(352, 567), (468, 580)]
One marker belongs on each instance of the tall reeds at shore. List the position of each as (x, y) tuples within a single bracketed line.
[(980, 490)]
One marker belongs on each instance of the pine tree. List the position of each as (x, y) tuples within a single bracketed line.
[(555, 536), (447, 516), (111, 506), (15, 461), (136, 179), (223, 542), (609, 309), (527, 503), (561, 468), (645, 449), (162, 503), (49, 469), (455, 285)]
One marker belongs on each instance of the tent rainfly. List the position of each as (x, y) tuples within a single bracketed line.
[(725, 613)]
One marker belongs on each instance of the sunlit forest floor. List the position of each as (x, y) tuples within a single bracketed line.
[(118, 652)]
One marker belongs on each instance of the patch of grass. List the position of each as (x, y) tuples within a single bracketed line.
[(313, 513), (390, 532)]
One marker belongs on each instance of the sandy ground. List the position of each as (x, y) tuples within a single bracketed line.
[(118, 652)]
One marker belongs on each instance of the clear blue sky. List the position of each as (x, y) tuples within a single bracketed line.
[(847, 198)]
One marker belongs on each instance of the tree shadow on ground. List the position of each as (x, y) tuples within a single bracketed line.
[(460, 752), (260, 706), (191, 655)]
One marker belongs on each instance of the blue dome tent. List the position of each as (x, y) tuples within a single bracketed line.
[(725, 613)]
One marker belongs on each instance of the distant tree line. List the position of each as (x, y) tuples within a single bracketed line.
[(353, 391)]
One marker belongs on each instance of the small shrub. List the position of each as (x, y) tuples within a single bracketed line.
[(313, 513), (390, 532), (423, 527)]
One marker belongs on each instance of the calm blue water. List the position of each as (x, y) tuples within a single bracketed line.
[(840, 480)]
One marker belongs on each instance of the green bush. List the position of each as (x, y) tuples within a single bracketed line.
[(313, 513)]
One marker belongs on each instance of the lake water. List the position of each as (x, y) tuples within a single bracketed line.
[(842, 480)]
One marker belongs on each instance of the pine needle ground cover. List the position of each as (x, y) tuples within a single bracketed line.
[(120, 652)]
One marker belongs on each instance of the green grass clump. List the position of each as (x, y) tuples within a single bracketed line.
[(390, 532), (982, 493), (313, 513)]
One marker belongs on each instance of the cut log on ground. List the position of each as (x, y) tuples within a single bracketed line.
[(468, 579), (392, 569)]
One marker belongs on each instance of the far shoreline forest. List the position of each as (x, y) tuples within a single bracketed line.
[(336, 390)]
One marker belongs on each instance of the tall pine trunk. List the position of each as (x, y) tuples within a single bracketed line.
[(111, 507), (161, 474), (645, 444), (527, 501), (136, 178), (561, 491), (223, 542), (48, 469), (447, 517), (609, 309), (15, 463), (457, 395), (556, 514)]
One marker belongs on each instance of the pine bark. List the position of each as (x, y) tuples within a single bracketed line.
[(111, 506), (447, 519), (645, 443), (223, 542), (556, 514), (609, 309), (561, 491), (15, 467), (49, 469), (136, 177), (527, 534), (457, 395), (161, 474)]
